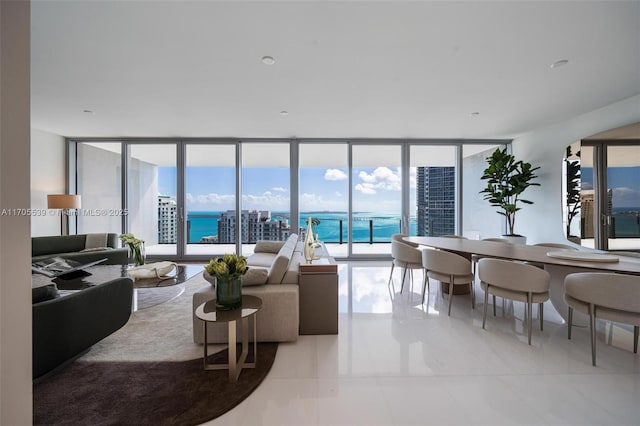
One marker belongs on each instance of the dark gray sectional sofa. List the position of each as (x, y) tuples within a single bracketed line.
[(66, 326), (74, 247)]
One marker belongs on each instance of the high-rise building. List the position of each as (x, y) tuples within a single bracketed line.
[(255, 225), (435, 197), (167, 220)]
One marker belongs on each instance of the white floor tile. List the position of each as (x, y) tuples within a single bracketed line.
[(396, 361)]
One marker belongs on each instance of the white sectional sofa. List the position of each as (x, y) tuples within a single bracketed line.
[(273, 277)]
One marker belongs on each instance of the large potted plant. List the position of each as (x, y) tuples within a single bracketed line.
[(507, 178)]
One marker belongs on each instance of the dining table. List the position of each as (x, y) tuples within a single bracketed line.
[(559, 263)]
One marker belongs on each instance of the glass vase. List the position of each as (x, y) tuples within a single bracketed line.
[(137, 254), (228, 294)]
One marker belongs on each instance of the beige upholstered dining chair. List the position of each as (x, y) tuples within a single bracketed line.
[(515, 281), (476, 257), (460, 237), (405, 255), (614, 297), (449, 268)]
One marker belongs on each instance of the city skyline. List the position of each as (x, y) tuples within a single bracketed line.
[(376, 189)]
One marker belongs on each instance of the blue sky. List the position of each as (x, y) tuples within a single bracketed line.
[(625, 182), (321, 189)]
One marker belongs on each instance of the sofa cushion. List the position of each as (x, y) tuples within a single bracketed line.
[(281, 263), (268, 246), (291, 276), (261, 259), (255, 276), (95, 241)]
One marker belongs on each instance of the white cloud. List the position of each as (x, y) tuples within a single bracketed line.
[(382, 178), (265, 201), (625, 197), (316, 202), (335, 174), (279, 189), (366, 188)]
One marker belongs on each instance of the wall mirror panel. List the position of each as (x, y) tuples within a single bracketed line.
[(601, 190)]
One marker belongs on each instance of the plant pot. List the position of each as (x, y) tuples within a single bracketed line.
[(515, 239), (228, 292)]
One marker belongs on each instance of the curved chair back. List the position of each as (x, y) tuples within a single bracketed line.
[(614, 291), (454, 236), (445, 262), (615, 297), (513, 275), (449, 268), (405, 253), (516, 281)]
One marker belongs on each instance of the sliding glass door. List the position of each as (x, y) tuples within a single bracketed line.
[(203, 198), (376, 192), (324, 193), (433, 190), (98, 180), (210, 199), (151, 197), (265, 177), (623, 197)]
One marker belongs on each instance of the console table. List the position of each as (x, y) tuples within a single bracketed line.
[(318, 287)]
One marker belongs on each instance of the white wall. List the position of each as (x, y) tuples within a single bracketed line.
[(545, 147), (47, 177), (15, 241)]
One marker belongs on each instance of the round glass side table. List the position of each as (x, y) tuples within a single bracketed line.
[(207, 313)]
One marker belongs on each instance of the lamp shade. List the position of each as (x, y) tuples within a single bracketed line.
[(63, 201)]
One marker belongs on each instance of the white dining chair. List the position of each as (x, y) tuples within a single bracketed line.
[(516, 281), (405, 255), (603, 295), (448, 268)]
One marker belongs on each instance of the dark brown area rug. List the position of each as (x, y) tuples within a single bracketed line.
[(145, 393)]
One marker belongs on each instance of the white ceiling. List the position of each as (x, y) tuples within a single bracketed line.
[(382, 69)]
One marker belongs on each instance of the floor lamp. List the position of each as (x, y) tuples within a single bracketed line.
[(63, 202)]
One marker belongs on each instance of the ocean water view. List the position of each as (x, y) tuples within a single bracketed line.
[(205, 224)]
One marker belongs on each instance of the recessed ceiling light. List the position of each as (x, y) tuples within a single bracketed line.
[(560, 63), (475, 114), (284, 112), (88, 111), (268, 60)]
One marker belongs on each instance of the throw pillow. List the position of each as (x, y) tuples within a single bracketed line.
[(255, 276), (268, 246), (95, 240)]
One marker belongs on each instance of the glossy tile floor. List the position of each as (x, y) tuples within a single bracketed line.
[(398, 362)]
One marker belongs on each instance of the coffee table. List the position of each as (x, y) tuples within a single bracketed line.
[(147, 292), (207, 313)]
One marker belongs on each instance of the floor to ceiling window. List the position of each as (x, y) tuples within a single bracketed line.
[(433, 190), (610, 195), (210, 198), (200, 198), (324, 193), (98, 180), (265, 192), (376, 191), (151, 196)]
